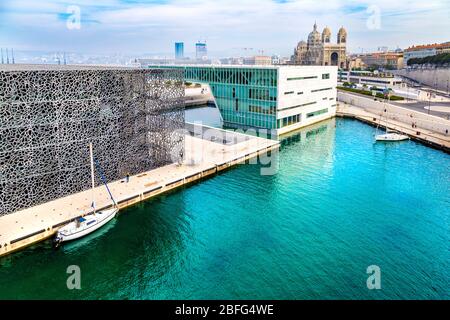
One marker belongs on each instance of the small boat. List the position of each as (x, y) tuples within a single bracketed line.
[(391, 136), (83, 226)]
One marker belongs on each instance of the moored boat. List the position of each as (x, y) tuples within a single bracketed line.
[(391, 136), (85, 225)]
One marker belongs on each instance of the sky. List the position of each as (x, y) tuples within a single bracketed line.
[(228, 26)]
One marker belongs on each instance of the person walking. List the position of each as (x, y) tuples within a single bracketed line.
[(128, 177)]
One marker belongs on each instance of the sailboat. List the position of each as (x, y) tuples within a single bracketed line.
[(88, 224), (390, 135)]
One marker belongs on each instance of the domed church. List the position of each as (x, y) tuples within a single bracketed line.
[(320, 51)]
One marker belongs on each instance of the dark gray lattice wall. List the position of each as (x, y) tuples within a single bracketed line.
[(48, 118)]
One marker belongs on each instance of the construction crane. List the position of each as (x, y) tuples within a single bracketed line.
[(245, 50)]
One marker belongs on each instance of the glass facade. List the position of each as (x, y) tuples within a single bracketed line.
[(179, 50), (244, 96), (201, 51)]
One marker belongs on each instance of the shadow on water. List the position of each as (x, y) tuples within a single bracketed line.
[(89, 240)]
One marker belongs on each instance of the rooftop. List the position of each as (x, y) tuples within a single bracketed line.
[(214, 66), (45, 67), (429, 46)]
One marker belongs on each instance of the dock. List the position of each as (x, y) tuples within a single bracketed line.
[(429, 129), (205, 156)]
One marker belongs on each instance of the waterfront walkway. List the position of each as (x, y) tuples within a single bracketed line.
[(432, 138), (203, 158)]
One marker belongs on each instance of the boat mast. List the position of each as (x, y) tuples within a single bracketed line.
[(91, 152), (386, 93)]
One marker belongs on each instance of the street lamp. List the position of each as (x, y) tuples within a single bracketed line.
[(407, 92)]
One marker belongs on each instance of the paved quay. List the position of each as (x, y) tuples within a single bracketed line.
[(204, 157), (429, 137)]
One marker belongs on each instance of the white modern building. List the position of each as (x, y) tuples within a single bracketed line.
[(277, 98), (306, 95), (370, 79)]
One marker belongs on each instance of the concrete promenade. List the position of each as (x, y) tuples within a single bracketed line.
[(203, 158), (426, 136), (198, 96)]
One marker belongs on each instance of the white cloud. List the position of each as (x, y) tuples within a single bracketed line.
[(268, 25)]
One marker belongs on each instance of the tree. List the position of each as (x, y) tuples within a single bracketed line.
[(438, 60)]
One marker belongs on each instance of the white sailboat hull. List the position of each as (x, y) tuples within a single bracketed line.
[(88, 224), (388, 137), (93, 222)]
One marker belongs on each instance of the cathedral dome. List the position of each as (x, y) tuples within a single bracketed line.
[(342, 35), (314, 37), (342, 31), (326, 35)]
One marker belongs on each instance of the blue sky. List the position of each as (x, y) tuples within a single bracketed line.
[(269, 26)]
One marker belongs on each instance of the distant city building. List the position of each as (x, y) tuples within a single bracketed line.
[(285, 61), (154, 61), (276, 59), (319, 50), (232, 61), (388, 60), (258, 61), (427, 50), (145, 62), (201, 51), (355, 62), (179, 50), (368, 78), (383, 49)]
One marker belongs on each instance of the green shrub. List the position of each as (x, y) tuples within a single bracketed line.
[(369, 93)]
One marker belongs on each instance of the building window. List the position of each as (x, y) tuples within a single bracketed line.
[(289, 92), (324, 89), (299, 93), (299, 105), (288, 121), (301, 78), (316, 113), (261, 94), (326, 76), (259, 109)]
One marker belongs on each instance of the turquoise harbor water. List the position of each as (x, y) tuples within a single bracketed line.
[(338, 204)]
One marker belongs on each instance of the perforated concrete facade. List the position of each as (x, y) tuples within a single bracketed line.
[(48, 116)]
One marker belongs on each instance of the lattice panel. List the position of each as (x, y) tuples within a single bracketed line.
[(48, 118)]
